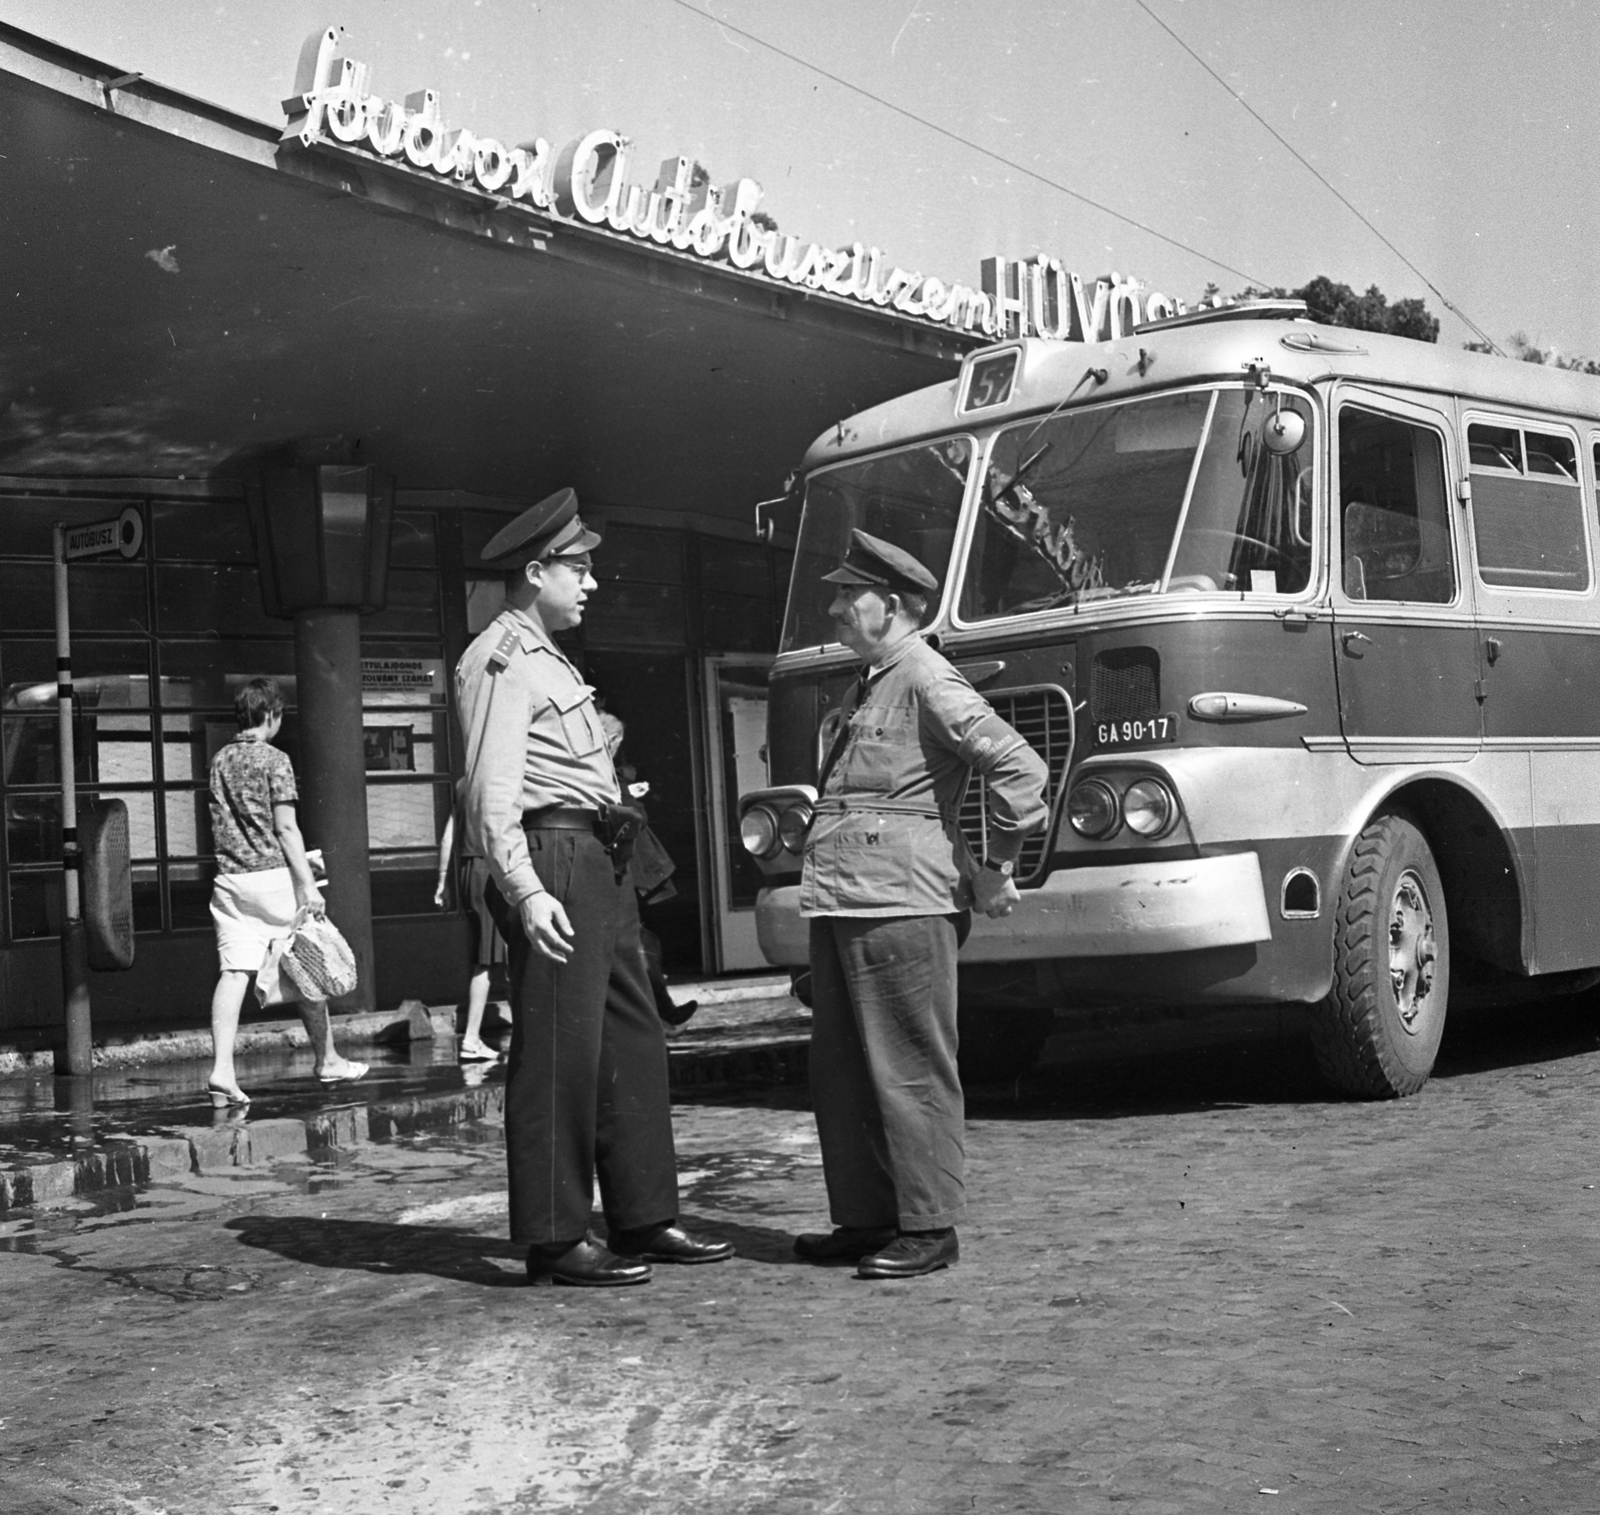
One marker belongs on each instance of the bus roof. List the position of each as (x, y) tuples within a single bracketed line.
[(1051, 373)]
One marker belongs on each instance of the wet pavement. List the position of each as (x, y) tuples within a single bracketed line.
[(1190, 1282), (73, 1137)]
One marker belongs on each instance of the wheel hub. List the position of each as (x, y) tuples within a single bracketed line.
[(1412, 951)]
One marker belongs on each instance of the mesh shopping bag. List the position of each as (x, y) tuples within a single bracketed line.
[(317, 960)]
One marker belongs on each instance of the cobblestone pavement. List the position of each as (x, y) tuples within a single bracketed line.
[(1191, 1283)]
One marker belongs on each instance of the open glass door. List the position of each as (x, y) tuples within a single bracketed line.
[(736, 750)]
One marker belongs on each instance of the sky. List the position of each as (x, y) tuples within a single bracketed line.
[(1462, 130)]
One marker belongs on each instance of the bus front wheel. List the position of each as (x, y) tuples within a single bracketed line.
[(1377, 1032)]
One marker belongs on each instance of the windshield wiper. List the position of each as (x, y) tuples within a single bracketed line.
[(1023, 470)]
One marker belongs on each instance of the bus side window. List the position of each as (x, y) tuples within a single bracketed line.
[(1527, 509), (1394, 517)]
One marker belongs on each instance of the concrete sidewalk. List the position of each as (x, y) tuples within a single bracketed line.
[(143, 1116)]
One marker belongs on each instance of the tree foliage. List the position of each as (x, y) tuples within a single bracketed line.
[(1521, 346), (1338, 305), (1334, 304)]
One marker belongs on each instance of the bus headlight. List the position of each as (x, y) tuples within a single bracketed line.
[(1092, 808), (758, 830), (793, 825), (774, 825), (1149, 808)]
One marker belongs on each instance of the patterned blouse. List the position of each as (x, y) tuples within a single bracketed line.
[(248, 777)]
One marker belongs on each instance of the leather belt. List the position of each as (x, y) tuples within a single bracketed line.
[(561, 818), (834, 804)]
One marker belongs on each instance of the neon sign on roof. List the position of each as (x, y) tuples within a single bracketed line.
[(591, 182)]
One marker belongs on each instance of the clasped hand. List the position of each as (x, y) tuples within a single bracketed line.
[(994, 894)]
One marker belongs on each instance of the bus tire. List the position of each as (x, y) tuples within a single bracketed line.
[(1377, 1033)]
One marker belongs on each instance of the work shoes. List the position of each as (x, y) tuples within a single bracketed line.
[(911, 1254), (669, 1244), (844, 1244), (585, 1264)]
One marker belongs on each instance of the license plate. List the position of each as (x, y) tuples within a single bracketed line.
[(1141, 733)]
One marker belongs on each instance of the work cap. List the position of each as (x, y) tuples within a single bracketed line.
[(871, 560), (550, 529)]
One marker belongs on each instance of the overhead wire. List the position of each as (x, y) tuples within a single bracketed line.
[(944, 131), (1311, 168)]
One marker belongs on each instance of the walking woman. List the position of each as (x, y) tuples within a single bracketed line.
[(488, 947), (263, 879)]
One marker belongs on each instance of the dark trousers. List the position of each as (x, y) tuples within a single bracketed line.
[(884, 1083), (586, 1086)]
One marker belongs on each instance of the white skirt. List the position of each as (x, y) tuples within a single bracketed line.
[(251, 910)]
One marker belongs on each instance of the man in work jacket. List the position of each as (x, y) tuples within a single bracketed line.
[(887, 883), (586, 1086)]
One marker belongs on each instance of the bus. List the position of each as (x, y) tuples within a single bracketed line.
[(1304, 622)]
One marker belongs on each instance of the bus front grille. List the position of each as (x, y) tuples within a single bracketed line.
[(1125, 684), (1044, 717)]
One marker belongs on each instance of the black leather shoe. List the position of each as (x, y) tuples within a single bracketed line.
[(669, 1244), (678, 1015), (845, 1244), (911, 1254), (586, 1265)]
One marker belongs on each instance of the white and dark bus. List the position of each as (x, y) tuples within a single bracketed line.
[(1304, 622)]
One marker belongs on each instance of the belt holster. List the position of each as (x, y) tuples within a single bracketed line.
[(618, 827)]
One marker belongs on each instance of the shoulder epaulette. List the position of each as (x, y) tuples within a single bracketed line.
[(508, 644)]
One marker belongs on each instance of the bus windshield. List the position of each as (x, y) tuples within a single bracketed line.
[(1174, 493), (911, 498)]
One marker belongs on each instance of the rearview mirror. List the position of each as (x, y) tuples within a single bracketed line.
[(1283, 433), (782, 512)]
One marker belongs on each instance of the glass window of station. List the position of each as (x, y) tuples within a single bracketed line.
[(160, 644)]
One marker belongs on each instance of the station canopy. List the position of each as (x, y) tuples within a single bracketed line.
[(184, 293)]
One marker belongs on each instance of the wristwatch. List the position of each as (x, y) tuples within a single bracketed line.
[(1007, 868)]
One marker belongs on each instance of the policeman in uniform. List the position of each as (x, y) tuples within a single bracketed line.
[(887, 883), (586, 1086)]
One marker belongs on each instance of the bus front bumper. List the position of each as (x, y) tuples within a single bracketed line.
[(1111, 911)]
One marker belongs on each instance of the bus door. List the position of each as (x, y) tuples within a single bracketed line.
[(1532, 514), (1404, 645), (735, 764)]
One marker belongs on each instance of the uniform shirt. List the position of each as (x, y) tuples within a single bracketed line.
[(885, 839), (248, 777), (461, 849), (533, 739)]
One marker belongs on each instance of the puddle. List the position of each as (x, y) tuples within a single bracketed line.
[(411, 1160)]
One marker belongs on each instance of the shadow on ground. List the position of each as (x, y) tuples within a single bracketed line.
[(1199, 1075), (1275, 1066), (1212, 1060), (461, 1256), (1541, 1032), (382, 1247)]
